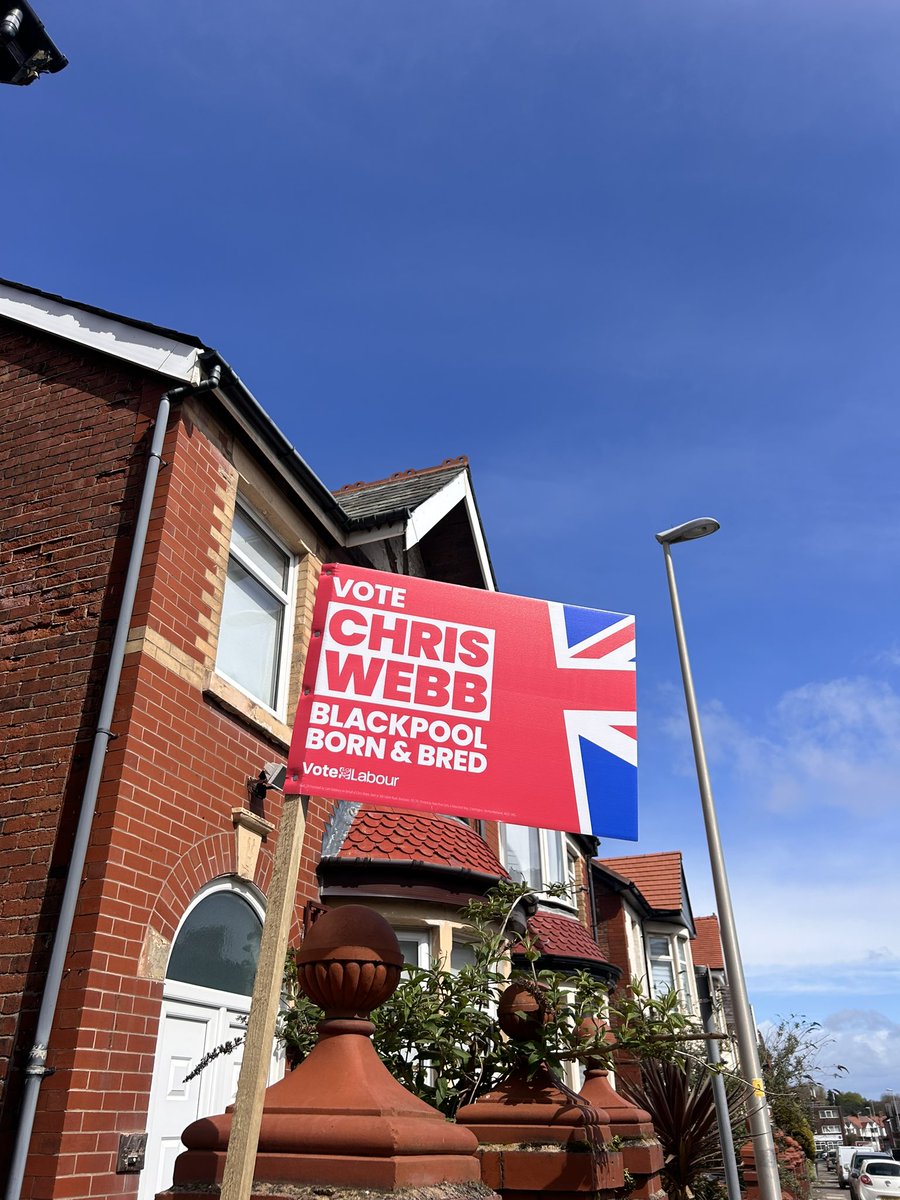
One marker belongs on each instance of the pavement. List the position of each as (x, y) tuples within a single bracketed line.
[(826, 1186)]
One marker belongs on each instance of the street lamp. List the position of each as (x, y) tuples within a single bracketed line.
[(745, 1028), (25, 49)]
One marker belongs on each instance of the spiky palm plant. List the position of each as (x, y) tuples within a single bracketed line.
[(678, 1094)]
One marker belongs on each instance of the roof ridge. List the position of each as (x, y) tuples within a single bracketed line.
[(410, 473)]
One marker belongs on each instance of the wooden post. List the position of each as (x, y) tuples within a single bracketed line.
[(240, 1162)]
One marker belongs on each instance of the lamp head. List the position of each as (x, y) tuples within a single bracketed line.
[(689, 531)]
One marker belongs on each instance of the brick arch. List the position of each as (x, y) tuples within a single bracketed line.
[(205, 861)]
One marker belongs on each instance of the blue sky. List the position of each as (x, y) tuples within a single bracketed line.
[(639, 261)]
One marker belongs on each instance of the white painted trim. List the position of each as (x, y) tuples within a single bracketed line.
[(436, 507), (378, 533), (153, 351)]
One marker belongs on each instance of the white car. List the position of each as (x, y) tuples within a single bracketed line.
[(876, 1179)]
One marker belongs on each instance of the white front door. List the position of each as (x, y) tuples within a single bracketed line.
[(215, 950), (194, 1022)]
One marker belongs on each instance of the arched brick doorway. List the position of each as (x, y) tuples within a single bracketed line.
[(209, 979)]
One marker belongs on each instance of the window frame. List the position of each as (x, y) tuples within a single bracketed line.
[(287, 598), (422, 937), (565, 855), (682, 972)]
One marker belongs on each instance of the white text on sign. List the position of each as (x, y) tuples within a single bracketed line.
[(375, 655)]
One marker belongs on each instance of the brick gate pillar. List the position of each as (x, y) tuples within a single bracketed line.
[(340, 1120), (642, 1154), (538, 1139)]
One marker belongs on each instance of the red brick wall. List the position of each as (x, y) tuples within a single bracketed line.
[(612, 936), (611, 932), (177, 766), (72, 449)]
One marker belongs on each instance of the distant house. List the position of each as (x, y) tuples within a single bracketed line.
[(645, 925), (712, 983), (825, 1118), (866, 1127)]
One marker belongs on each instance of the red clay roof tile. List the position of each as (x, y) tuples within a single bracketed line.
[(400, 835), (564, 937), (656, 876), (706, 949)]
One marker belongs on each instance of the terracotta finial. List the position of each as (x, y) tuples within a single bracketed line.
[(522, 1010), (350, 962), (340, 1119)]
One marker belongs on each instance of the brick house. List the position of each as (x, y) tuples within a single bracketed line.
[(712, 984), (168, 901), (645, 923)]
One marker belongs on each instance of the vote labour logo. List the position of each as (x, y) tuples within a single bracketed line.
[(454, 700)]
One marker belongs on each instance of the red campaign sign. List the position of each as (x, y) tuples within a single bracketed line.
[(449, 699)]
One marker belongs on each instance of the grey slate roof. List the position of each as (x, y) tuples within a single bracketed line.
[(402, 491)]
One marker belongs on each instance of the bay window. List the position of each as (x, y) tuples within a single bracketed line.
[(254, 634), (538, 857), (669, 970)]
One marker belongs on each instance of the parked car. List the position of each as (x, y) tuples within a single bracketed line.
[(876, 1178), (844, 1158)]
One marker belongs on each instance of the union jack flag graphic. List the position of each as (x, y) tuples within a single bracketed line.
[(602, 742), (472, 702)]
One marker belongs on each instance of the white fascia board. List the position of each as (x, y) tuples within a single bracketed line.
[(378, 533), (154, 351), (436, 507)]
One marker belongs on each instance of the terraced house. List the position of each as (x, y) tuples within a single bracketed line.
[(161, 545)]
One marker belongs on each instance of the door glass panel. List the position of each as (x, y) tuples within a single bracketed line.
[(218, 945)]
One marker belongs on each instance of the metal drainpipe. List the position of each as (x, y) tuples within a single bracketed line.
[(36, 1067), (703, 977)]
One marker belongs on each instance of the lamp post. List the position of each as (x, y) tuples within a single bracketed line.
[(745, 1028)]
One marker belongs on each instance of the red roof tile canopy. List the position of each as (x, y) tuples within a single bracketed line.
[(564, 937), (707, 947), (397, 835), (656, 876)]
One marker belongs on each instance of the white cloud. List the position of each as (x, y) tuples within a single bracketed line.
[(833, 744), (867, 1043), (859, 1050), (889, 657), (877, 973)]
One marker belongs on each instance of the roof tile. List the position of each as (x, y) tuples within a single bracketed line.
[(656, 876), (706, 950), (397, 834), (564, 937)]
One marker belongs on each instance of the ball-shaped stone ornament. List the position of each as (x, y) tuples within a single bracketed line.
[(349, 961), (522, 1011), (592, 1032)]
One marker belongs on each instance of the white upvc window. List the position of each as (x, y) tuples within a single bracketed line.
[(667, 955), (257, 613), (415, 946), (538, 857), (462, 954)]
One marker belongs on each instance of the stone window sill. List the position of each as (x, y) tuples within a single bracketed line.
[(239, 705)]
